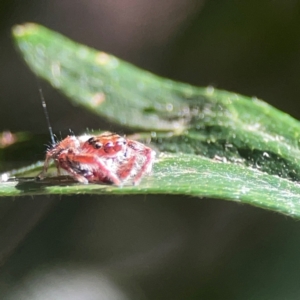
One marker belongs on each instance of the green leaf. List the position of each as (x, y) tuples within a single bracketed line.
[(101, 82), (212, 143), (182, 174)]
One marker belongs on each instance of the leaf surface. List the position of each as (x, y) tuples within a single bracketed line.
[(212, 143)]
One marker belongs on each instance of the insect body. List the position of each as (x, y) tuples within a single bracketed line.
[(106, 158)]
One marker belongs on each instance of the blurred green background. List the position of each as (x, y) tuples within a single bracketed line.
[(151, 247)]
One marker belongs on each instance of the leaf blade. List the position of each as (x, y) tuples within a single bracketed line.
[(220, 144), (195, 176)]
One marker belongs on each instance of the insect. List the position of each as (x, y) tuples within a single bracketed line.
[(106, 158)]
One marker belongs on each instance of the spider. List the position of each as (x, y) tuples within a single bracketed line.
[(105, 158)]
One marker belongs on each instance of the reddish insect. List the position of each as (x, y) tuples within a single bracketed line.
[(106, 158)]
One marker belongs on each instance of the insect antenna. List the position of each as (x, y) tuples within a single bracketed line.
[(47, 116)]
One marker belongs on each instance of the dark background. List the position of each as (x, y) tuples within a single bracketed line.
[(151, 247)]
